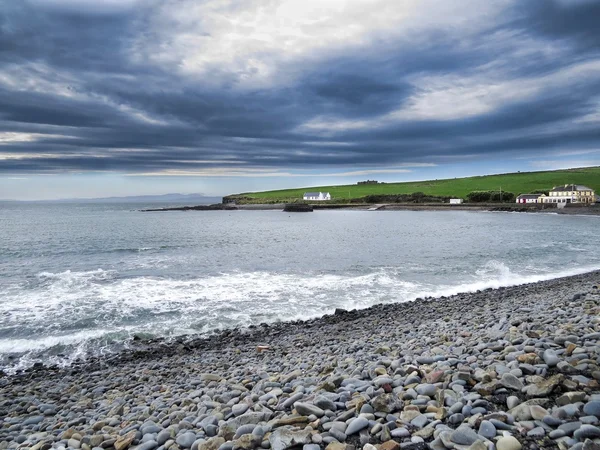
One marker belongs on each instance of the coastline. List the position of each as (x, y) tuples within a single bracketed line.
[(389, 350), (492, 207)]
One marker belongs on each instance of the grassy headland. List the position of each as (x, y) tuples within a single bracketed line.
[(517, 183)]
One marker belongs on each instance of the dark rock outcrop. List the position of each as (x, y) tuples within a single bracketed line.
[(297, 207), (215, 207)]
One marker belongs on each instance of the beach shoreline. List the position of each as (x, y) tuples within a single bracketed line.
[(511, 350), (583, 210), (492, 207)]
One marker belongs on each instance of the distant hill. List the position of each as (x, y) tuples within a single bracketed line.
[(517, 183), (195, 199)]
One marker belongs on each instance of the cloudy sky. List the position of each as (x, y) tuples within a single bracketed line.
[(125, 97)]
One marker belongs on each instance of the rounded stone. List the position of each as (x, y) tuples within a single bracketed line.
[(338, 434), (419, 421), (456, 408), (592, 409), (551, 358), (552, 421), (324, 403), (537, 432), (456, 418), (537, 412), (512, 401), (400, 433), (555, 434), (426, 389), (239, 409), (464, 436), (311, 447), (356, 425), (587, 432), (244, 429), (509, 381), (487, 429), (186, 439), (306, 409), (163, 437), (508, 443), (366, 409)]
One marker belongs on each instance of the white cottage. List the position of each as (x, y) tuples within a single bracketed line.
[(318, 196)]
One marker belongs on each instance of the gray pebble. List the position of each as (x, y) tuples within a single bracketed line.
[(592, 408), (356, 425), (587, 432), (487, 429)]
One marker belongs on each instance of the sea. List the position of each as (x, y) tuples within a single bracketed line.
[(80, 280)]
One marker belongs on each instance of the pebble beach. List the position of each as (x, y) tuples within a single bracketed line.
[(507, 369)]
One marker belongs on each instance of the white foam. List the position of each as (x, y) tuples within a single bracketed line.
[(505, 279), (74, 309), (46, 342)]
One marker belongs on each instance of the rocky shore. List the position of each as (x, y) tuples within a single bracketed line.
[(214, 207), (507, 369)]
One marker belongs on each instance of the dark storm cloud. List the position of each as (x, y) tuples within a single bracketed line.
[(79, 80), (63, 38), (575, 20)]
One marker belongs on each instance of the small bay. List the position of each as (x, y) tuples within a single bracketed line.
[(83, 279)]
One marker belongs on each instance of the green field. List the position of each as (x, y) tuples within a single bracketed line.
[(517, 183)]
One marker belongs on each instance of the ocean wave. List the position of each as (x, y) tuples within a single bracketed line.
[(83, 313), (68, 275), (140, 249), (504, 277)]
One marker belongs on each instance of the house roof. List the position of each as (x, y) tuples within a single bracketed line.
[(571, 187), (312, 194), (529, 196)]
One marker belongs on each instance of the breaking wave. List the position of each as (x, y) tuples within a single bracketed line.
[(72, 315)]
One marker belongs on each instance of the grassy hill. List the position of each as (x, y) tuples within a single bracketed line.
[(517, 183)]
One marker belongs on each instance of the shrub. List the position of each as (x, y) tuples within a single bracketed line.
[(416, 197), (490, 196)]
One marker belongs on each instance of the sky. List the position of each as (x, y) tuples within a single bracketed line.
[(133, 97)]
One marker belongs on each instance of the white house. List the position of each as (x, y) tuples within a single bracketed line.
[(569, 193), (319, 196), (456, 201), (528, 198)]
